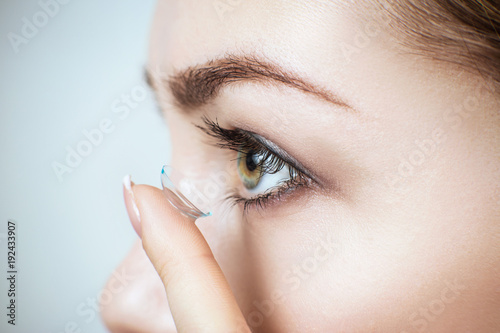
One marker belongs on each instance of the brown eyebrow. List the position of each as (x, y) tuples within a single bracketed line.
[(197, 85)]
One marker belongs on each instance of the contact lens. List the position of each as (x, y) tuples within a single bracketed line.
[(176, 197)]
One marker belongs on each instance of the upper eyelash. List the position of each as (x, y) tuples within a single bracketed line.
[(239, 140)]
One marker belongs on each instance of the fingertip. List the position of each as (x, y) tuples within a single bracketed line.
[(161, 223), (130, 204)]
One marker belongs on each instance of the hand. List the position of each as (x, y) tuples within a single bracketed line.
[(199, 295)]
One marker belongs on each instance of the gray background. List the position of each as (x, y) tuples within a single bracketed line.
[(71, 233)]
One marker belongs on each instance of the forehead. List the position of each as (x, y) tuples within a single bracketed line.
[(305, 33)]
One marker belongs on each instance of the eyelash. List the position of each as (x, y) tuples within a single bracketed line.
[(240, 141)]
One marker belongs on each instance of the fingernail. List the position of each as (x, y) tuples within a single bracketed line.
[(132, 210)]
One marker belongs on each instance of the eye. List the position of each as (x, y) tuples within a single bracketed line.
[(266, 171), (256, 176)]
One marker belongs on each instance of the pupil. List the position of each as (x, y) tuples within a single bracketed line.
[(251, 161)]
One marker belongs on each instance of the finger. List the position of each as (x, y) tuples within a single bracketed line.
[(198, 293)]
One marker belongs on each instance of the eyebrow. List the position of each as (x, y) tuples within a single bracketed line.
[(197, 85)]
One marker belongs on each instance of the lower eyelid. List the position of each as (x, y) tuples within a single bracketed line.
[(281, 202)]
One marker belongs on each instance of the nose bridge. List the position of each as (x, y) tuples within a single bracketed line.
[(139, 302)]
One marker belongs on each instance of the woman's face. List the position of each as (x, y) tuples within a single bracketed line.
[(395, 226)]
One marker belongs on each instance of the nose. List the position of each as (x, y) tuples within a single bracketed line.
[(138, 302)]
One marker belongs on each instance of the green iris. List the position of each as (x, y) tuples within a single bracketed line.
[(249, 169)]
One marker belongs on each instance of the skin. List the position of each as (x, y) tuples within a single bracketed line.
[(409, 205)]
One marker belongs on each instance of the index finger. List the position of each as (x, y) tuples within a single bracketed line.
[(198, 293)]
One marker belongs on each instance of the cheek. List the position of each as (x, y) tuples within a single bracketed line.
[(366, 272)]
